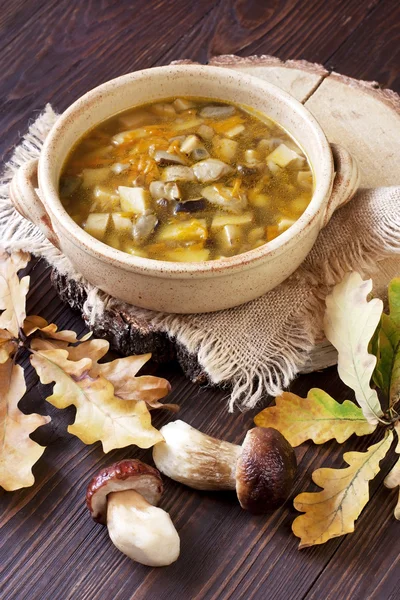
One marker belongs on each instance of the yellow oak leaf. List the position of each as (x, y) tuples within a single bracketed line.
[(7, 345), (32, 323), (57, 361), (318, 418), (18, 452), (95, 349), (333, 511), (39, 344), (35, 323), (12, 291), (100, 415), (350, 323), (120, 372), (392, 479)]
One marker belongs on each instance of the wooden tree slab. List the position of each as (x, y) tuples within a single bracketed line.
[(357, 114)]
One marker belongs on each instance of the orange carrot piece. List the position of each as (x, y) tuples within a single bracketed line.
[(272, 232)]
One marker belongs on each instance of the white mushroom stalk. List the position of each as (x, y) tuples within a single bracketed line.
[(123, 497), (195, 459), (143, 532), (261, 470)]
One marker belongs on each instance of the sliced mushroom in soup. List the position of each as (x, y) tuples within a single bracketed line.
[(186, 179)]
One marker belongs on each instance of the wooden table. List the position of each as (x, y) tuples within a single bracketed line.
[(53, 51)]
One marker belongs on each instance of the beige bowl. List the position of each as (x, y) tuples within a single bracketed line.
[(183, 287)]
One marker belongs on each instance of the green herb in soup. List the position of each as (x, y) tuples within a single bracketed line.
[(186, 179)]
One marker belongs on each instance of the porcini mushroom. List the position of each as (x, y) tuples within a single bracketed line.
[(211, 169), (124, 496), (261, 470)]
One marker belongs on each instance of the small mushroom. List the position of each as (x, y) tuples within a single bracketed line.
[(223, 196), (247, 171), (192, 205), (178, 173), (143, 228), (181, 104), (163, 158), (190, 143), (124, 496), (163, 203), (251, 157), (206, 132), (194, 147), (211, 169), (199, 154), (217, 112), (159, 189), (261, 470)]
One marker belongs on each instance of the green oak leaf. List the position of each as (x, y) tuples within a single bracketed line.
[(318, 418), (394, 300), (386, 346)]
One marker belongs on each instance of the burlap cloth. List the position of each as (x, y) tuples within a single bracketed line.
[(259, 347)]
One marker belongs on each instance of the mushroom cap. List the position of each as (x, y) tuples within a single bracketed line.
[(265, 470), (129, 474)]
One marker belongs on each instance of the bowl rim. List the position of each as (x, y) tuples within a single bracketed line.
[(161, 268)]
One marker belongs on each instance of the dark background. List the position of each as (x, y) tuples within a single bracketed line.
[(54, 51)]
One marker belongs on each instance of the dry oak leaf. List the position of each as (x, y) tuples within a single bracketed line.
[(12, 291), (35, 323), (392, 479), (7, 345), (120, 372), (333, 511), (318, 417), (350, 323), (100, 415), (18, 452)]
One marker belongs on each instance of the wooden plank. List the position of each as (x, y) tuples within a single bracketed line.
[(79, 45), (284, 28), (226, 553), (311, 31), (366, 53), (17, 17)]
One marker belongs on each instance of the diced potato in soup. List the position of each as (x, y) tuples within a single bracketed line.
[(186, 180)]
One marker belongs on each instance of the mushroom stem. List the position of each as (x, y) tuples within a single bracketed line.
[(140, 530), (196, 459)]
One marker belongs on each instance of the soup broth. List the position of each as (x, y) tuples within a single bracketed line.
[(186, 179)]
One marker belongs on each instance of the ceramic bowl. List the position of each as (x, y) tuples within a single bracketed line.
[(170, 286)]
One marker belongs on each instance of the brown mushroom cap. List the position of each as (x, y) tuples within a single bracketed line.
[(129, 474), (265, 470)]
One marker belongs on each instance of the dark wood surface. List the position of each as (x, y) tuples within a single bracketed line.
[(53, 51)]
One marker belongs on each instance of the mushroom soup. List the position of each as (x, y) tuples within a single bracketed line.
[(186, 179)]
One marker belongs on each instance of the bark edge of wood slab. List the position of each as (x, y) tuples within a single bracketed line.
[(128, 337)]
